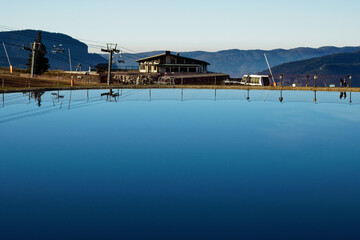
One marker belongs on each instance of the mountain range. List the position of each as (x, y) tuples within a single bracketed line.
[(234, 62), (341, 63), (14, 40)]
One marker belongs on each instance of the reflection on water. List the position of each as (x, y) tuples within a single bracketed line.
[(179, 164), (281, 99), (111, 96), (79, 98)]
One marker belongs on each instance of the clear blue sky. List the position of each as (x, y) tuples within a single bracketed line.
[(187, 25)]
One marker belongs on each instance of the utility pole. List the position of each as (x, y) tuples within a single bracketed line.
[(281, 79), (70, 59), (89, 75), (33, 59), (33, 50), (267, 62), (111, 49), (10, 66), (307, 80), (350, 78)]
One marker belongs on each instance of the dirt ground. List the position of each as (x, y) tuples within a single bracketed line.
[(10, 83)]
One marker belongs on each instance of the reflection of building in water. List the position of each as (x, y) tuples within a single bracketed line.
[(167, 63)]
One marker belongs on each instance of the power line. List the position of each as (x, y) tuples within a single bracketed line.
[(15, 45), (21, 46), (59, 40)]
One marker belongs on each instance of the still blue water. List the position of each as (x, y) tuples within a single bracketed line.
[(162, 164)]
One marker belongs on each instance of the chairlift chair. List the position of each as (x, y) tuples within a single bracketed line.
[(121, 58), (61, 48), (54, 49), (57, 49)]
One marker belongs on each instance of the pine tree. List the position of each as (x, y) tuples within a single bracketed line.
[(41, 62)]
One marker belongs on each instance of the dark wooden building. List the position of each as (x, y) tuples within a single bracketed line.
[(170, 63)]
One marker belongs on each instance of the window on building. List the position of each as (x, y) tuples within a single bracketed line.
[(266, 81), (255, 80)]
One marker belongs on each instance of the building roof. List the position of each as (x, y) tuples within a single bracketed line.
[(169, 54)]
